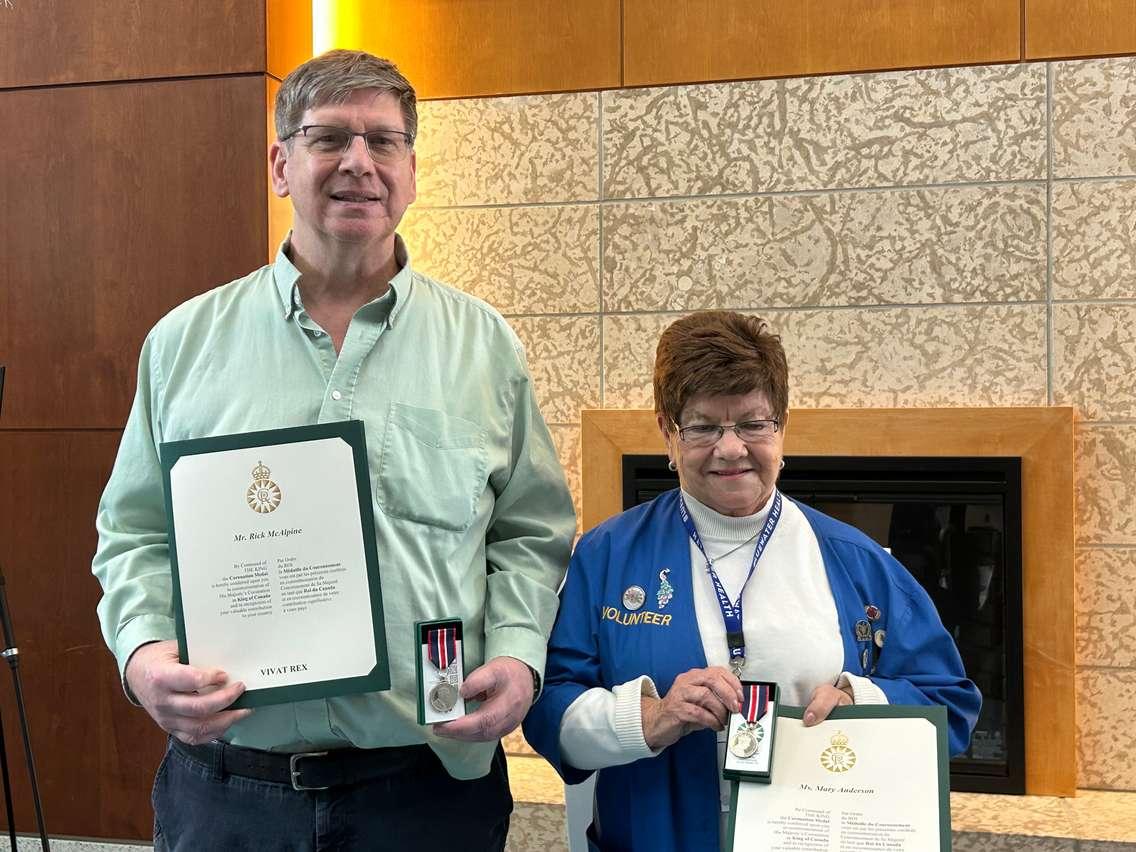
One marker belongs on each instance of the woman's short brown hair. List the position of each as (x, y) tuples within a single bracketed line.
[(719, 353)]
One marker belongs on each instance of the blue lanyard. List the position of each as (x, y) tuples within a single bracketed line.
[(732, 611)]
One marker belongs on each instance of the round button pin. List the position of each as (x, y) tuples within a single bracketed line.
[(633, 598)]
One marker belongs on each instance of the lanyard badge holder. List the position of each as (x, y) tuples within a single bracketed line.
[(441, 669), (750, 734)]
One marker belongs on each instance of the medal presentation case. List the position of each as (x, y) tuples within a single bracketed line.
[(750, 733), (440, 667)]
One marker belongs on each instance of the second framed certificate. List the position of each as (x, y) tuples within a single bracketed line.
[(869, 777), (274, 561)]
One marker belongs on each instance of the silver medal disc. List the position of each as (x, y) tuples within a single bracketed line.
[(744, 743), (746, 739), (443, 697)]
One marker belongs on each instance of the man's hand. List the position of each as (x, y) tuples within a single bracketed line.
[(699, 698), (824, 698), (185, 701), (505, 686)]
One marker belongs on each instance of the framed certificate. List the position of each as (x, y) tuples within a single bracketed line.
[(274, 561), (868, 777)]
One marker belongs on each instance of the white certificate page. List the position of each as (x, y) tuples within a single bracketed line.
[(848, 784), (271, 563)]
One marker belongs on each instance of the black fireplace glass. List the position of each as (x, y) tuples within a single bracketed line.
[(955, 524)]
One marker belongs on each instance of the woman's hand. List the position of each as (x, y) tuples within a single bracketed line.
[(825, 697), (699, 698)]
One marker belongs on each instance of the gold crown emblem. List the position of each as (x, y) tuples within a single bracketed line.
[(839, 740), (260, 471)]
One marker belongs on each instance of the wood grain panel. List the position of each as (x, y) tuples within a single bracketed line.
[(681, 41), (289, 39), (78, 41), (1079, 28), (279, 209), (459, 48), (95, 754), (118, 202), (1042, 437)]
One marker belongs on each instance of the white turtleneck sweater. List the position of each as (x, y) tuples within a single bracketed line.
[(792, 633)]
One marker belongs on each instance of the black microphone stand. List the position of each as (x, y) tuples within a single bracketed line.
[(12, 654)]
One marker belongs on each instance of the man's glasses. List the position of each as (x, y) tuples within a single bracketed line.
[(708, 434), (325, 140)]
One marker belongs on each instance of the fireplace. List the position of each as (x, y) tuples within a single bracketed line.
[(1042, 438), (955, 524)]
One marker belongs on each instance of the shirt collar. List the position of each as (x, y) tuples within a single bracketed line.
[(287, 279)]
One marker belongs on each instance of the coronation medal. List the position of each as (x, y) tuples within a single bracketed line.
[(750, 733), (442, 651)]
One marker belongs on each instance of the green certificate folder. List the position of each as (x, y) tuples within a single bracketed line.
[(868, 777), (274, 561)]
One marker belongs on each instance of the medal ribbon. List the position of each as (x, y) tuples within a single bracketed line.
[(732, 611), (755, 700), (442, 646)]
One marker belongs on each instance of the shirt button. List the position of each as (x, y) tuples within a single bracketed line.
[(317, 333), (336, 395)]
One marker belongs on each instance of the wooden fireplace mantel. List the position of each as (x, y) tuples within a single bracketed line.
[(1042, 437)]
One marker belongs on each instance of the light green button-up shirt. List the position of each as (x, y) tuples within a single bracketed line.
[(472, 515)]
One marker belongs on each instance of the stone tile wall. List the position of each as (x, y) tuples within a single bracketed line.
[(951, 237)]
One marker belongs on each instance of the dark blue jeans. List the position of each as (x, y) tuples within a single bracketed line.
[(199, 809)]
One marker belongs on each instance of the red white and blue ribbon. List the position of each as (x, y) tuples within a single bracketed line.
[(442, 646), (755, 701)]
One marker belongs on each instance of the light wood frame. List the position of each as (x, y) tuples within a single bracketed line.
[(1042, 437)]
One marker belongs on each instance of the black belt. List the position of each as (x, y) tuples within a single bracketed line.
[(309, 770)]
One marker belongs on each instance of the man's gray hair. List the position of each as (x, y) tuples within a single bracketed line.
[(331, 77)]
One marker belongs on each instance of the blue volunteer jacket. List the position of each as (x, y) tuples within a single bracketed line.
[(669, 803)]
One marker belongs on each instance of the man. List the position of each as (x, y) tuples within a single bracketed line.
[(472, 515)]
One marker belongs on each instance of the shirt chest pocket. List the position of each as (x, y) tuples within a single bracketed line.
[(433, 467)]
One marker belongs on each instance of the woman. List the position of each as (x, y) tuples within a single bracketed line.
[(821, 609)]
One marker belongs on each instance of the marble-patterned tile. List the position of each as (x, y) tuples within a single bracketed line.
[(1106, 607), (896, 357), (564, 358), (1106, 742), (1106, 488), (1108, 818), (515, 743), (911, 127), (1094, 117), (1094, 243), (522, 260), (537, 828), (1094, 359), (567, 440), (970, 841), (532, 779), (629, 358), (516, 150), (962, 244), (1037, 816)]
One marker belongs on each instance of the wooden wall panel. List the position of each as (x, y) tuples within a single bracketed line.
[(279, 209), (118, 202), (677, 41), (77, 41), (95, 754), (289, 39), (1079, 27), (458, 48)]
